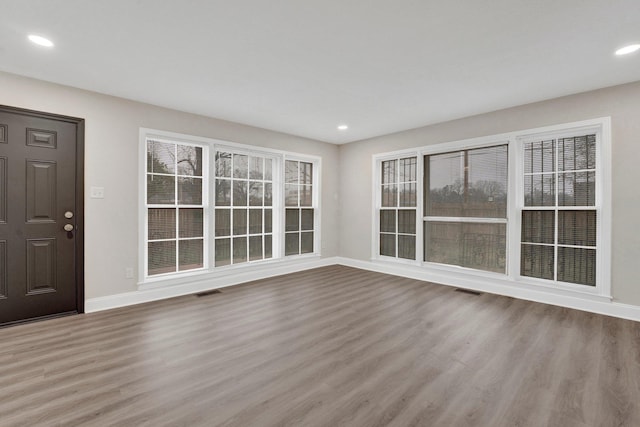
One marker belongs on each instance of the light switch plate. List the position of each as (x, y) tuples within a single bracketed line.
[(97, 192)]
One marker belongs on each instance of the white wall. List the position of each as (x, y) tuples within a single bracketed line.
[(111, 161), (622, 103)]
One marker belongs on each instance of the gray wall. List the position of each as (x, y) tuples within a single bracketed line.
[(111, 143), (112, 126), (622, 103)]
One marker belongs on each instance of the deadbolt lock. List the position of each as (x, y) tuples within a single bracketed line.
[(68, 214)]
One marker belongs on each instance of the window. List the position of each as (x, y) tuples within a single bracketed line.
[(243, 214), (175, 207), (397, 210), (559, 216), (299, 212), (212, 205), (466, 208), (527, 208)]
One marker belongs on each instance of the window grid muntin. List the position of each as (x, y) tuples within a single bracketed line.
[(176, 206), (557, 208), (397, 182), (274, 241), (299, 183), (601, 127), (247, 207)]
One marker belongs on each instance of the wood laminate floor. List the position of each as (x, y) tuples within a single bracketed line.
[(333, 346)]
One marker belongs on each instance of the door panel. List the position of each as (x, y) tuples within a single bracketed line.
[(38, 184), (41, 266), (3, 190), (41, 138), (3, 269), (41, 191)]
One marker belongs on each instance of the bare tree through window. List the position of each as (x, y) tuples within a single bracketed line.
[(175, 207)]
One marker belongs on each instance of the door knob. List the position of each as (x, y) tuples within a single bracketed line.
[(68, 227)]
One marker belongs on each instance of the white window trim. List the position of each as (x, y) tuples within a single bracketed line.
[(601, 126), (211, 145), (474, 144), (315, 201), (377, 204), (276, 200), (206, 208)]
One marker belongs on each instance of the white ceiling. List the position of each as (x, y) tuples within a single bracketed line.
[(305, 66)]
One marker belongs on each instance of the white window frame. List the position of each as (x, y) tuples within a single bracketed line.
[(480, 143), (377, 203), (602, 129), (210, 147), (316, 188), (275, 196), (177, 206), (515, 199)]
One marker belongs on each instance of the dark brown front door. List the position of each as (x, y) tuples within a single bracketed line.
[(40, 196)]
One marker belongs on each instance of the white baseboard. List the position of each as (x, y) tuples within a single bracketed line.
[(585, 302), (199, 284)]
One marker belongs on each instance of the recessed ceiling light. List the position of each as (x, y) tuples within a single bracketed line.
[(343, 127), (628, 49), (41, 41)]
